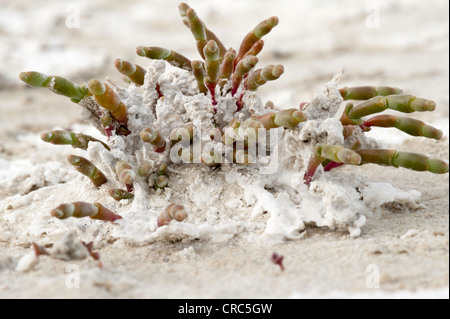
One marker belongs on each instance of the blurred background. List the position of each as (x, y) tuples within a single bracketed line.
[(397, 43)]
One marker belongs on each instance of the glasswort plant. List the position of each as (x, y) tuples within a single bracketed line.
[(149, 128)]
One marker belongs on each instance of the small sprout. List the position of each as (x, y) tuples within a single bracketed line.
[(408, 125), (263, 28), (77, 140), (235, 74), (172, 57), (119, 194), (70, 251), (162, 170), (83, 209), (261, 76), (185, 134), (85, 167), (125, 173), (215, 134), (413, 161), (144, 169), (55, 84), (152, 136), (289, 118), (161, 182), (338, 154), (133, 72), (176, 212), (212, 64), (277, 259), (227, 66), (199, 74), (197, 29), (255, 49), (211, 157), (242, 68), (242, 157), (329, 166)]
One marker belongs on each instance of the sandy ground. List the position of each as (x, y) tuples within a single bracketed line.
[(406, 45)]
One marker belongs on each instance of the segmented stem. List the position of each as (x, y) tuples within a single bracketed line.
[(55, 84), (367, 92), (77, 140), (83, 209), (338, 154), (261, 76), (172, 212), (408, 125), (242, 68), (105, 96), (85, 167), (182, 134), (119, 194), (152, 136), (212, 64), (126, 174), (255, 49), (172, 57), (227, 66), (199, 74), (263, 28), (401, 103), (413, 161), (184, 9)]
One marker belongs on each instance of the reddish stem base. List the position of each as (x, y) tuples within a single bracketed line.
[(212, 90), (331, 165), (239, 103)]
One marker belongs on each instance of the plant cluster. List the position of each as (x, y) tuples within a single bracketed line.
[(224, 76)]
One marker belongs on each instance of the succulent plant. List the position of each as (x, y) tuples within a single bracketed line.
[(378, 100), (172, 211), (149, 128)]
